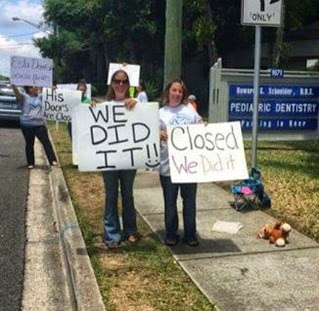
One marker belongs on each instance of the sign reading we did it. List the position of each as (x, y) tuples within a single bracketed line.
[(111, 137), (205, 153)]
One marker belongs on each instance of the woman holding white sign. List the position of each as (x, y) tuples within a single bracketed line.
[(32, 123), (177, 111), (118, 91)]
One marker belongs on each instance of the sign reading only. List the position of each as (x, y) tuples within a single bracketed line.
[(261, 12)]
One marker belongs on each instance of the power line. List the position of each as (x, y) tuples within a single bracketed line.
[(14, 46), (22, 35)]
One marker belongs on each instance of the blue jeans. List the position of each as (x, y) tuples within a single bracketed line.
[(188, 194), (112, 227)]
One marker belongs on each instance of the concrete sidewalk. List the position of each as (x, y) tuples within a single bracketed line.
[(58, 271), (237, 272)]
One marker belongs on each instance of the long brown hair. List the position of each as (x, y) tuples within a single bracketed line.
[(110, 95), (168, 86)]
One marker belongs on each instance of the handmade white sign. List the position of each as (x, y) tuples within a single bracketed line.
[(58, 104), (133, 72), (31, 71), (73, 87), (205, 153), (111, 137)]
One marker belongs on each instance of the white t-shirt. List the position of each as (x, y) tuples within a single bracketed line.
[(142, 97), (180, 115), (32, 110)]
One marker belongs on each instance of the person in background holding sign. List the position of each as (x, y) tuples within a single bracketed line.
[(177, 111), (118, 91), (84, 100), (141, 95), (33, 123)]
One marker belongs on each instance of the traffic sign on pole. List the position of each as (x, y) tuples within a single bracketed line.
[(261, 12)]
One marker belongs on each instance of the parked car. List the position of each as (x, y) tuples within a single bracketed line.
[(9, 108)]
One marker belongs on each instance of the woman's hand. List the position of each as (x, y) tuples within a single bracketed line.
[(130, 103), (93, 102), (163, 135), (201, 121)]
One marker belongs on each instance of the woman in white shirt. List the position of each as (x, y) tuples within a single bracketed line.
[(177, 111)]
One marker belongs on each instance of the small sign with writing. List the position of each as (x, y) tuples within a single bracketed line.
[(58, 104), (205, 153), (276, 73), (73, 87), (111, 137), (26, 71)]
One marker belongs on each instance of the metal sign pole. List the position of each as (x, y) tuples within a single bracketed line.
[(259, 13), (256, 96)]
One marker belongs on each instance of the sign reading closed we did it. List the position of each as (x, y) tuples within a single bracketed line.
[(205, 153)]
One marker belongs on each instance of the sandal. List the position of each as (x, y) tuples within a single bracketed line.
[(113, 245), (133, 239)]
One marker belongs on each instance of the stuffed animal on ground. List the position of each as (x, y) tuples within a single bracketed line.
[(277, 234)]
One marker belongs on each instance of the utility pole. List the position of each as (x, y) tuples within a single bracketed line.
[(173, 40)]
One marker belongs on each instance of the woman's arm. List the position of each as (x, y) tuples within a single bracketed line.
[(17, 94)]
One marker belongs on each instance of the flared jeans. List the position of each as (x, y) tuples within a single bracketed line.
[(112, 226)]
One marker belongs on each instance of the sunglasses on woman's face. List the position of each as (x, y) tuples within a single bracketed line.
[(118, 81)]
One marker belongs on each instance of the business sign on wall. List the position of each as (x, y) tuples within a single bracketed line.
[(281, 107)]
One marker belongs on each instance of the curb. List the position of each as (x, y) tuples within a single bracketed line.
[(86, 291), (61, 274)]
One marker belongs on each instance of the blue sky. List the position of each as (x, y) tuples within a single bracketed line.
[(16, 36)]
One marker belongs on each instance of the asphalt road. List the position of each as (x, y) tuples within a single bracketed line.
[(13, 195)]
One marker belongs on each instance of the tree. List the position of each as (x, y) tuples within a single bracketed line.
[(105, 31), (173, 40), (91, 34), (295, 15), (199, 28)]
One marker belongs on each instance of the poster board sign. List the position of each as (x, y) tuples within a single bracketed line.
[(111, 137), (58, 104), (206, 153), (31, 71), (133, 72), (73, 87), (75, 145)]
